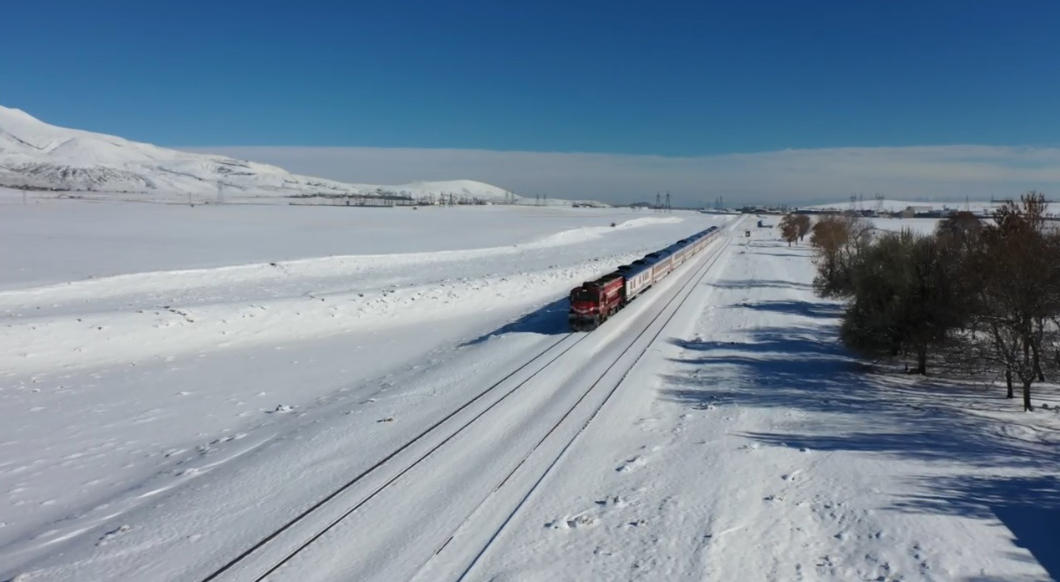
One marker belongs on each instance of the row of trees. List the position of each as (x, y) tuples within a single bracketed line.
[(976, 296)]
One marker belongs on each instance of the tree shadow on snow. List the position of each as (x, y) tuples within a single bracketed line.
[(804, 308), (767, 246), (550, 319), (790, 367), (777, 252), (807, 369), (1029, 506), (758, 283)]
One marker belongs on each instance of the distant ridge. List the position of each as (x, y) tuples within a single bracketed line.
[(37, 155)]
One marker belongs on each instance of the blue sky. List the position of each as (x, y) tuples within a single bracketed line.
[(618, 77)]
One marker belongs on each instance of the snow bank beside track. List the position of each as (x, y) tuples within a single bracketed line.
[(116, 336)]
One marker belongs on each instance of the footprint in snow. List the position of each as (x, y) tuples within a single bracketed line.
[(107, 537), (631, 464), (572, 522), (590, 516), (612, 502)]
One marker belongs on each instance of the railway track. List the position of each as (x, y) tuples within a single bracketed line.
[(411, 461), (618, 370), (501, 389)]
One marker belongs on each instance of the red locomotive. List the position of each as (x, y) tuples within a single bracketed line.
[(595, 301)]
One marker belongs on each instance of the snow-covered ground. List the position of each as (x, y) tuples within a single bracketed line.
[(917, 225), (890, 205), (92, 239), (752, 447), (979, 207), (176, 384)]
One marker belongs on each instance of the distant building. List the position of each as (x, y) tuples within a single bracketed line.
[(912, 211)]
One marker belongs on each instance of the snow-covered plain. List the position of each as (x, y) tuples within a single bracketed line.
[(982, 208), (92, 239), (178, 383)]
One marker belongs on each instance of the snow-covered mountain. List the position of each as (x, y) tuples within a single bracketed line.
[(34, 154)]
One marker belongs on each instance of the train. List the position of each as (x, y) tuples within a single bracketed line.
[(594, 302)]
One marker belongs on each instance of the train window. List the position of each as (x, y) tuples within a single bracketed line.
[(584, 295)]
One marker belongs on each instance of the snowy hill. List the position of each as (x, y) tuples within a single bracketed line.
[(36, 155)]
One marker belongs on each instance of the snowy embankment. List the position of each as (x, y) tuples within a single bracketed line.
[(54, 241), (120, 388), (128, 318), (739, 443)]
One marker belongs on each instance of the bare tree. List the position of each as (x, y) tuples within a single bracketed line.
[(789, 228), (902, 301), (837, 241), (1018, 290), (959, 239), (803, 223), (961, 227)]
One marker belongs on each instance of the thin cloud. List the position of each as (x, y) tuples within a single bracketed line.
[(793, 176)]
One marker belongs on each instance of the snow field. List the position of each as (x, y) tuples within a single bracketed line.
[(756, 449), (445, 490), (165, 415), (745, 444), (91, 240), (979, 207)]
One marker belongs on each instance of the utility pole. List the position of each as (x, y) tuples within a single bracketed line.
[(658, 202), (668, 208)]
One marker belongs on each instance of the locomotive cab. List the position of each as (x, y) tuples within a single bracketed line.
[(585, 297), (595, 301)]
